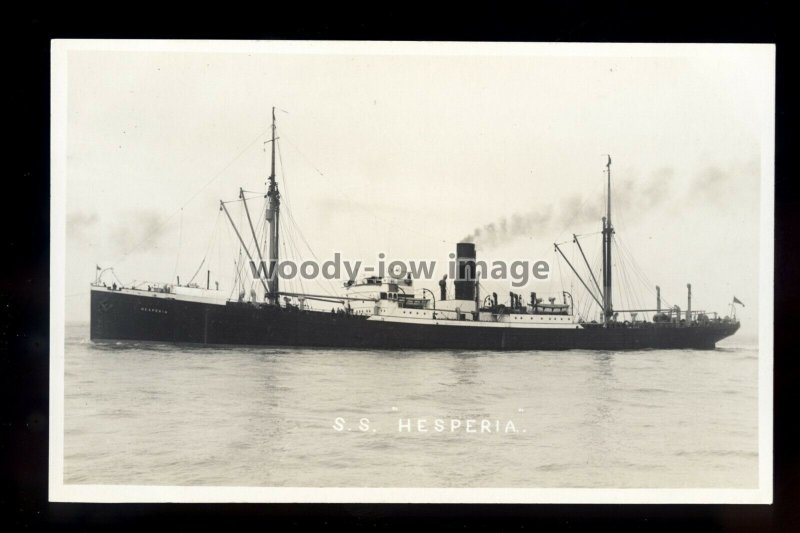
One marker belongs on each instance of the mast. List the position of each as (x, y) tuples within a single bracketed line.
[(608, 231), (241, 240), (558, 249), (588, 266), (273, 217)]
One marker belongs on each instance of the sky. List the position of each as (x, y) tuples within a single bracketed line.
[(409, 149)]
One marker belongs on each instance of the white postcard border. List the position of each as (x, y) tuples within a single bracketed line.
[(61, 492)]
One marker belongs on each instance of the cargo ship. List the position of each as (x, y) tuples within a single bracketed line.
[(384, 312)]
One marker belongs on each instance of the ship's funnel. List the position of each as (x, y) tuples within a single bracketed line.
[(658, 299), (465, 281)]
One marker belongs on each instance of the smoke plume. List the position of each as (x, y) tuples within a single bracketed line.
[(142, 229), (634, 196), (80, 223)]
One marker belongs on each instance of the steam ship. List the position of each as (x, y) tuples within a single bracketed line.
[(389, 313)]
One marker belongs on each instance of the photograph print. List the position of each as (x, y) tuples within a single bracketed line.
[(290, 271)]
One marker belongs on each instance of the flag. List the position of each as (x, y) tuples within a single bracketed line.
[(98, 267), (737, 301)]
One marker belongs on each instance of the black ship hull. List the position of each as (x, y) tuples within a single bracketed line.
[(117, 315)]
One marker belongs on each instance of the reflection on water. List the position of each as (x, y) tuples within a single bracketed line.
[(160, 414), (465, 369)]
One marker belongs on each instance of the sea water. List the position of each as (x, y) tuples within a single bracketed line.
[(157, 414)]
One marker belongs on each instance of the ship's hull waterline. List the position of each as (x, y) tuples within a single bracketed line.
[(124, 316)]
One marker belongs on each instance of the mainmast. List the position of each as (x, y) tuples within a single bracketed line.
[(273, 217), (608, 231)]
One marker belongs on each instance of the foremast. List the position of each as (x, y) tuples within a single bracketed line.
[(608, 232), (273, 217)]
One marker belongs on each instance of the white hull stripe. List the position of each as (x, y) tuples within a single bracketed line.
[(473, 323), (164, 295)]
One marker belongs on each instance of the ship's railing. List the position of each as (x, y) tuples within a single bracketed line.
[(661, 325), (378, 281), (165, 288)]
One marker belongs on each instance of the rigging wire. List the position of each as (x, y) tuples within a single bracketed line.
[(630, 295), (158, 228), (632, 271), (390, 222), (237, 284), (289, 283), (219, 252), (577, 212), (240, 263), (598, 264), (236, 281), (318, 171), (586, 296), (180, 240), (296, 226), (254, 249), (296, 251), (624, 291), (210, 244), (117, 278), (649, 285), (560, 275), (587, 302)]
